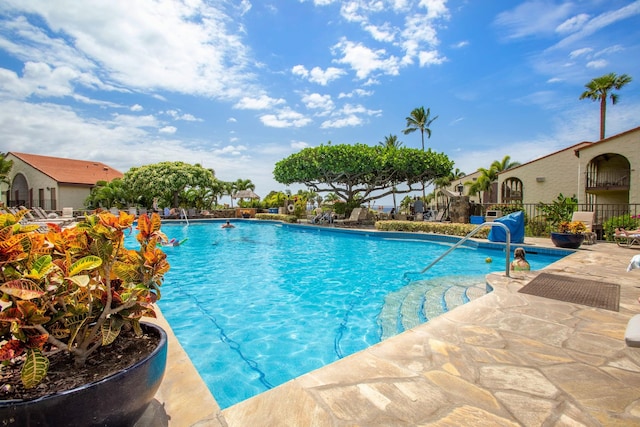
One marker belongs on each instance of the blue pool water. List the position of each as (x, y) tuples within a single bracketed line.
[(262, 303)]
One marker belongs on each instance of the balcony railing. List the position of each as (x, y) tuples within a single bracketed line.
[(608, 181)]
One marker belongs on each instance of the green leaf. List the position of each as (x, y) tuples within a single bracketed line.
[(87, 263), (111, 329), (35, 368)]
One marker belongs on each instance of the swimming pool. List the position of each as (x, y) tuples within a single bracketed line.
[(262, 303)]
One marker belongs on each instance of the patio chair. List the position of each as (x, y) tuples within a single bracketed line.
[(587, 218), (626, 239), (357, 216)]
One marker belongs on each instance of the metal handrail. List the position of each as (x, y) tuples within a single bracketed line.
[(468, 236), (184, 213)]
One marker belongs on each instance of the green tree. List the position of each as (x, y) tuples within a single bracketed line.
[(602, 87), (274, 199), (360, 171), (109, 195), (391, 141), (5, 168), (504, 164), (167, 180), (419, 120)]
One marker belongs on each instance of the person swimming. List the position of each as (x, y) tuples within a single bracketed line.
[(228, 225)]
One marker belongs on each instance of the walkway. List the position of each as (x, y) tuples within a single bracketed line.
[(506, 359)]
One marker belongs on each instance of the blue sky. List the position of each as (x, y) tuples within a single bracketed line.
[(238, 85)]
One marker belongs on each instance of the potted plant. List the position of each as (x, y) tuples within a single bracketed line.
[(71, 298), (569, 235)]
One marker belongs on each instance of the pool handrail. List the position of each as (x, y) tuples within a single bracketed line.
[(468, 236)]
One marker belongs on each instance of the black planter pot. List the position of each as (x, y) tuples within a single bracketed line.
[(567, 240), (118, 400)]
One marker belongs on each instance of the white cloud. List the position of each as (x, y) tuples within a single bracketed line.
[(364, 60), (599, 63), (349, 116), (177, 115), (572, 24), (532, 18), (136, 107), (430, 58), (461, 44), (382, 33), (262, 102), (206, 56), (168, 129), (285, 119), (580, 52), (317, 74), (317, 101), (355, 92)]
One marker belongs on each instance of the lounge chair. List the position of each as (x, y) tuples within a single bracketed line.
[(626, 239), (587, 218), (357, 216)]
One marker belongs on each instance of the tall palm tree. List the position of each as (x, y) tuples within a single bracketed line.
[(602, 87), (420, 120), (391, 141)]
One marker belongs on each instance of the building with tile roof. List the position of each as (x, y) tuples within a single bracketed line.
[(53, 182)]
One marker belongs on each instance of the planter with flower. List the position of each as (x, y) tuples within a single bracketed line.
[(72, 343), (570, 235)]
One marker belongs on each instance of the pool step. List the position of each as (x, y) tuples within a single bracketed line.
[(422, 300)]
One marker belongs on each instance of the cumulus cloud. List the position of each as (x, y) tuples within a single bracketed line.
[(348, 116), (168, 129), (316, 101), (285, 118), (317, 74), (365, 61), (262, 102)]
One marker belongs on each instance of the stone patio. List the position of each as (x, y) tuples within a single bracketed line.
[(505, 359)]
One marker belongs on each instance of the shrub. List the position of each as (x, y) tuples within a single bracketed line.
[(450, 229), (277, 217)]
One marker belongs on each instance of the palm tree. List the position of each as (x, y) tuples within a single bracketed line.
[(418, 119), (504, 164), (391, 141), (599, 89), (5, 168)]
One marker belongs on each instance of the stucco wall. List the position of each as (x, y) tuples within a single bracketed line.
[(545, 178), (626, 144)]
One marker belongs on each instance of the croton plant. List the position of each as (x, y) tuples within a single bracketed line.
[(74, 289)]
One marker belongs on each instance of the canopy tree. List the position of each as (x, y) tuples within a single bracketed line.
[(167, 180), (600, 88), (361, 172)]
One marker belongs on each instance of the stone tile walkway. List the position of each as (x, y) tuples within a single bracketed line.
[(505, 359)]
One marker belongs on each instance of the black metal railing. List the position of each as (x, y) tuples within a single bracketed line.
[(615, 180), (607, 217)]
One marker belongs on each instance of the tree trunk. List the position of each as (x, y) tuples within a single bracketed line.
[(603, 114)]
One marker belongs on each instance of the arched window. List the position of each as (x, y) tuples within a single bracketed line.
[(511, 190), (19, 190)]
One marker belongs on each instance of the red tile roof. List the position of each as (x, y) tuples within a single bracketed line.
[(69, 171)]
